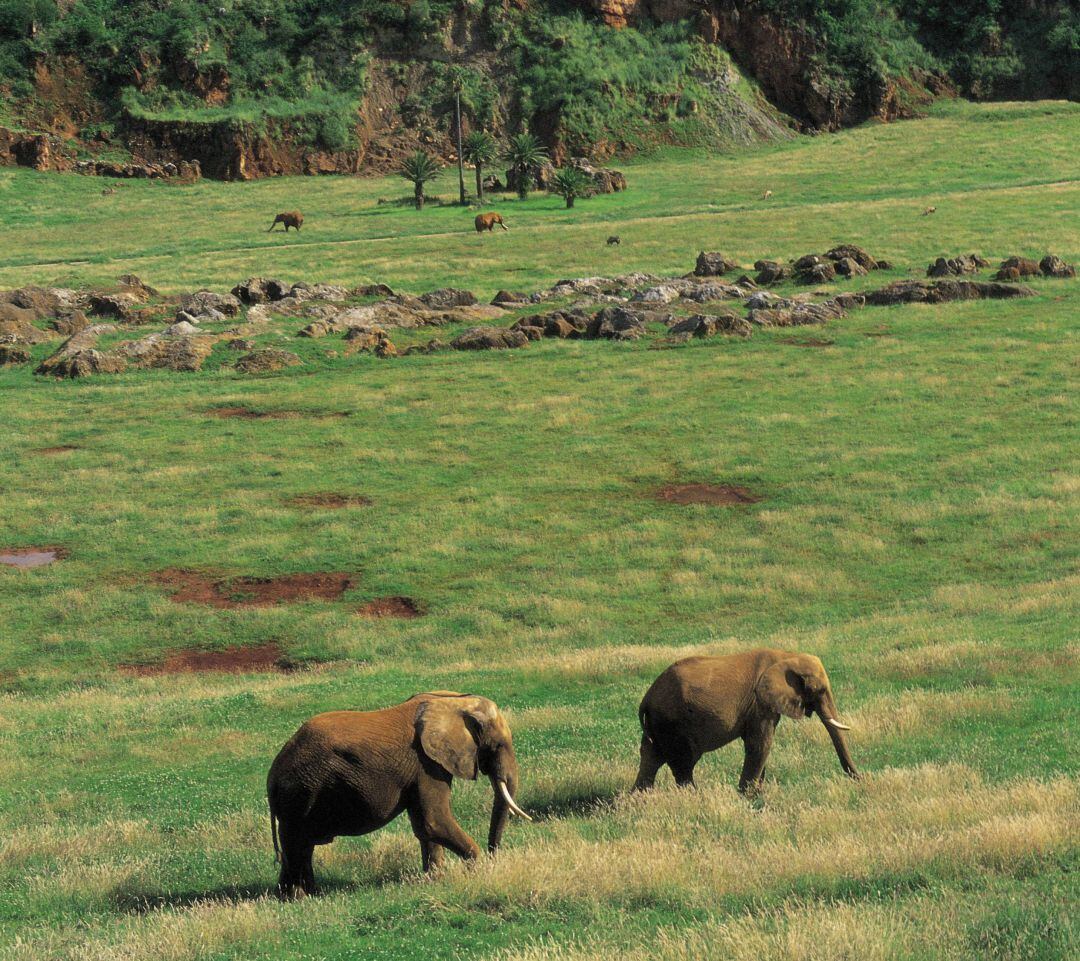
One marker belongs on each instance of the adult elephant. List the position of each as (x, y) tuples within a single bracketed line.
[(700, 704), (351, 772)]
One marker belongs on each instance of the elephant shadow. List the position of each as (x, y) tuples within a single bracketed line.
[(576, 802), (143, 902)]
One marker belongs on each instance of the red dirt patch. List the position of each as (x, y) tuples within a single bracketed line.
[(396, 606), (58, 449), (25, 558), (330, 501), (723, 494), (231, 660), (807, 341), (200, 588)]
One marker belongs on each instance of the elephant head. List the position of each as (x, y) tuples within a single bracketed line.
[(798, 687), (466, 736)]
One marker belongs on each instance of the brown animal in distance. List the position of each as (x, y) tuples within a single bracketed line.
[(929, 211), (766, 195), (291, 218), (488, 221)]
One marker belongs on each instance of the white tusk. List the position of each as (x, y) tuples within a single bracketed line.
[(511, 803), (835, 723)]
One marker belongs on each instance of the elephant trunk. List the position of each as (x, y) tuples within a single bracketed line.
[(826, 710), (504, 783)]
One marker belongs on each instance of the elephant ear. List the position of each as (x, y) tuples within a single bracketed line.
[(446, 724), (780, 690)]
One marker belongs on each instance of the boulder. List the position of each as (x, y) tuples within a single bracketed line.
[(365, 338), (817, 274), (372, 290), (489, 338), (852, 252), (708, 293), (448, 297), (713, 264), (621, 323), (662, 294), (796, 314), (78, 357), (942, 291), (329, 292), (204, 302), (850, 267), (956, 266), (18, 329), (120, 305), (41, 301), (167, 351), (240, 343), (256, 290), (1014, 268), (771, 272), (1052, 266), (266, 360), (11, 354), (509, 297), (533, 333), (708, 325)]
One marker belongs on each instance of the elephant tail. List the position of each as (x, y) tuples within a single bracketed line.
[(274, 835), (643, 717)]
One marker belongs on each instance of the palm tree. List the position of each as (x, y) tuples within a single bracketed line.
[(480, 149), (419, 169), (570, 183), (524, 152)]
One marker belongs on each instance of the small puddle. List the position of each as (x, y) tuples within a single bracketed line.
[(28, 557)]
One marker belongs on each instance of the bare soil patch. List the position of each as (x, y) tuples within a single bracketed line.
[(250, 413), (26, 558), (330, 500), (231, 660), (396, 606), (198, 587), (720, 494), (57, 449), (807, 341)]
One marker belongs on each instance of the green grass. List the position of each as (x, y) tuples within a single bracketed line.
[(918, 532)]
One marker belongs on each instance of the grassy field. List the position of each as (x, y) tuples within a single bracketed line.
[(918, 531)]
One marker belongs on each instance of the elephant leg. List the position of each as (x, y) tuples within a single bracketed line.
[(681, 759), (439, 824), (757, 744), (431, 853), (651, 762), (297, 877)]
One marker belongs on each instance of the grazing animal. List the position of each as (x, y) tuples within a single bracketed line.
[(613, 241), (766, 195), (352, 772), (700, 704), (488, 221), (929, 211), (291, 218)]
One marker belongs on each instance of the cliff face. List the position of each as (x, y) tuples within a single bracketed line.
[(782, 56)]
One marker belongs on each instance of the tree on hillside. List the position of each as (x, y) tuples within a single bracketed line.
[(570, 183), (524, 153), (420, 169), (480, 150)]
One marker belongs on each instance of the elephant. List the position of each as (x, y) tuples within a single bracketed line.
[(488, 221), (291, 218), (352, 772), (700, 704)]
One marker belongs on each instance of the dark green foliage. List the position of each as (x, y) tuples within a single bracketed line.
[(570, 183), (524, 153), (480, 149), (419, 169)]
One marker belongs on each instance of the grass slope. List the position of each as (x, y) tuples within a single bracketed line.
[(918, 532)]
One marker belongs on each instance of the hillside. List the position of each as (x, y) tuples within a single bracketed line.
[(255, 87)]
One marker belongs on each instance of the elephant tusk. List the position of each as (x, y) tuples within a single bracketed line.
[(835, 723), (511, 803)]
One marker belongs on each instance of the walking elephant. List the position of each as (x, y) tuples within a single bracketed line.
[(488, 221), (291, 218), (700, 704), (352, 772)]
